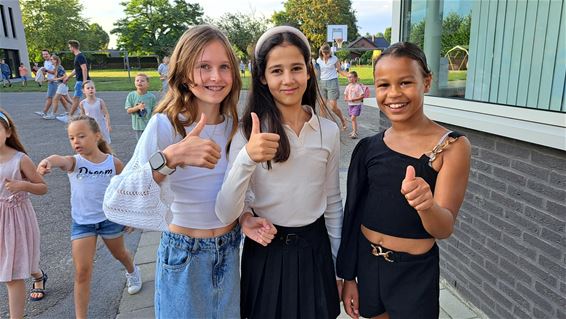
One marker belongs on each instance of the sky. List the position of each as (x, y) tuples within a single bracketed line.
[(373, 15)]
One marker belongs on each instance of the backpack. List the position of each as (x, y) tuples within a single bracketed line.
[(365, 88)]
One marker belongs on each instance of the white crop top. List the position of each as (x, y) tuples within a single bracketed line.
[(185, 198)]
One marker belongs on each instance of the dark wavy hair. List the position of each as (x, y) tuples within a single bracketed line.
[(406, 50), (261, 102)]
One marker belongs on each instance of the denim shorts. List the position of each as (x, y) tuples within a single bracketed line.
[(198, 277), (78, 89), (51, 88), (106, 229), (329, 89)]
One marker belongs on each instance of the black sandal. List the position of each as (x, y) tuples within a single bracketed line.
[(41, 291)]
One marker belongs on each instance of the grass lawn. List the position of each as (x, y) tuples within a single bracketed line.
[(117, 80), (106, 80)]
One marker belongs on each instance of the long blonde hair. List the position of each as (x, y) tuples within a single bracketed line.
[(58, 59), (179, 97)]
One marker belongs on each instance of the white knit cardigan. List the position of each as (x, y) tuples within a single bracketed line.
[(133, 198)]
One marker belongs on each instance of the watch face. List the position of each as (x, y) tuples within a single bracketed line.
[(156, 161)]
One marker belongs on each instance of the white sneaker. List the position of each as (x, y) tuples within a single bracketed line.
[(49, 116), (134, 281)]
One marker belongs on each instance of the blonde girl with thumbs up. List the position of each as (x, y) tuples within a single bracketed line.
[(405, 187), (174, 175), (283, 186)]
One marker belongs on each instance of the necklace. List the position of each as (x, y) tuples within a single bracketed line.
[(211, 135)]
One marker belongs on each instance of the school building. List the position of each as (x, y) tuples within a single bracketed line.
[(13, 47), (504, 87)]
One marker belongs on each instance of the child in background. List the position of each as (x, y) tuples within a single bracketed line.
[(140, 104), (163, 70), (96, 108), (23, 74), (283, 181), (89, 172), (62, 89), (19, 231), (35, 69), (405, 187), (354, 96), (243, 69)]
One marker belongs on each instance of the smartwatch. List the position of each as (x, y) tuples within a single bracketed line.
[(158, 163)]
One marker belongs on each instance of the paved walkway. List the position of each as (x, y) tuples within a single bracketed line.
[(141, 305), (452, 306)]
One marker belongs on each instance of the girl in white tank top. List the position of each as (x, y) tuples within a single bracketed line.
[(90, 171), (96, 108)]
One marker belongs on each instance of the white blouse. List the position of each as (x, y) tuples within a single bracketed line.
[(185, 198), (293, 193)]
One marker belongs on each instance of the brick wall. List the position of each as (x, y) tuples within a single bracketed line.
[(507, 255)]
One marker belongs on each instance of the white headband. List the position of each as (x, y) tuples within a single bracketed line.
[(280, 29), (5, 118)]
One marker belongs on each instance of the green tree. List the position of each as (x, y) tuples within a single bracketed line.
[(154, 26), (242, 30), (95, 38), (312, 17), (50, 24), (342, 55), (455, 31), (417, 33), (387, 34), (366, 57)]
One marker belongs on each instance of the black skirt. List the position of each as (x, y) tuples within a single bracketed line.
[(293, 277)]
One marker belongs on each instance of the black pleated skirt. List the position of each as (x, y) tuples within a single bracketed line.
[(293, 277)]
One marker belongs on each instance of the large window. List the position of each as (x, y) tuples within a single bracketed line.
[(509, 52)]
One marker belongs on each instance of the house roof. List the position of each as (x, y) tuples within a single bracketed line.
[(378, 43)]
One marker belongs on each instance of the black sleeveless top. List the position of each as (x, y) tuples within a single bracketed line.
[(374, 197)]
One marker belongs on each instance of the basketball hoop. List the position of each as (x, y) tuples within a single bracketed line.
[(339, 42)]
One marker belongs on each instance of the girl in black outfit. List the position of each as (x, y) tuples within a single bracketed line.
[(405, 187)]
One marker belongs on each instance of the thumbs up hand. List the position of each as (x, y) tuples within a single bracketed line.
[(262, 146), (417, 191), (193, 150)]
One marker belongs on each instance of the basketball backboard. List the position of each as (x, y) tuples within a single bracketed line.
[(336, 31)]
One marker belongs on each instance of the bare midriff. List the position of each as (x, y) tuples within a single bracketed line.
[(201, 233), (406, 245)]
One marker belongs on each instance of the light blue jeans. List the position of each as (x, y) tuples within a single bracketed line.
[(198, 277)]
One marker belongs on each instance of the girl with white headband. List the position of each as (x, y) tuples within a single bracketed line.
[(292, 223)]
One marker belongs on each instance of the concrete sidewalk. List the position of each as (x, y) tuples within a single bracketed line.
[(452, 306), (141, 305)]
